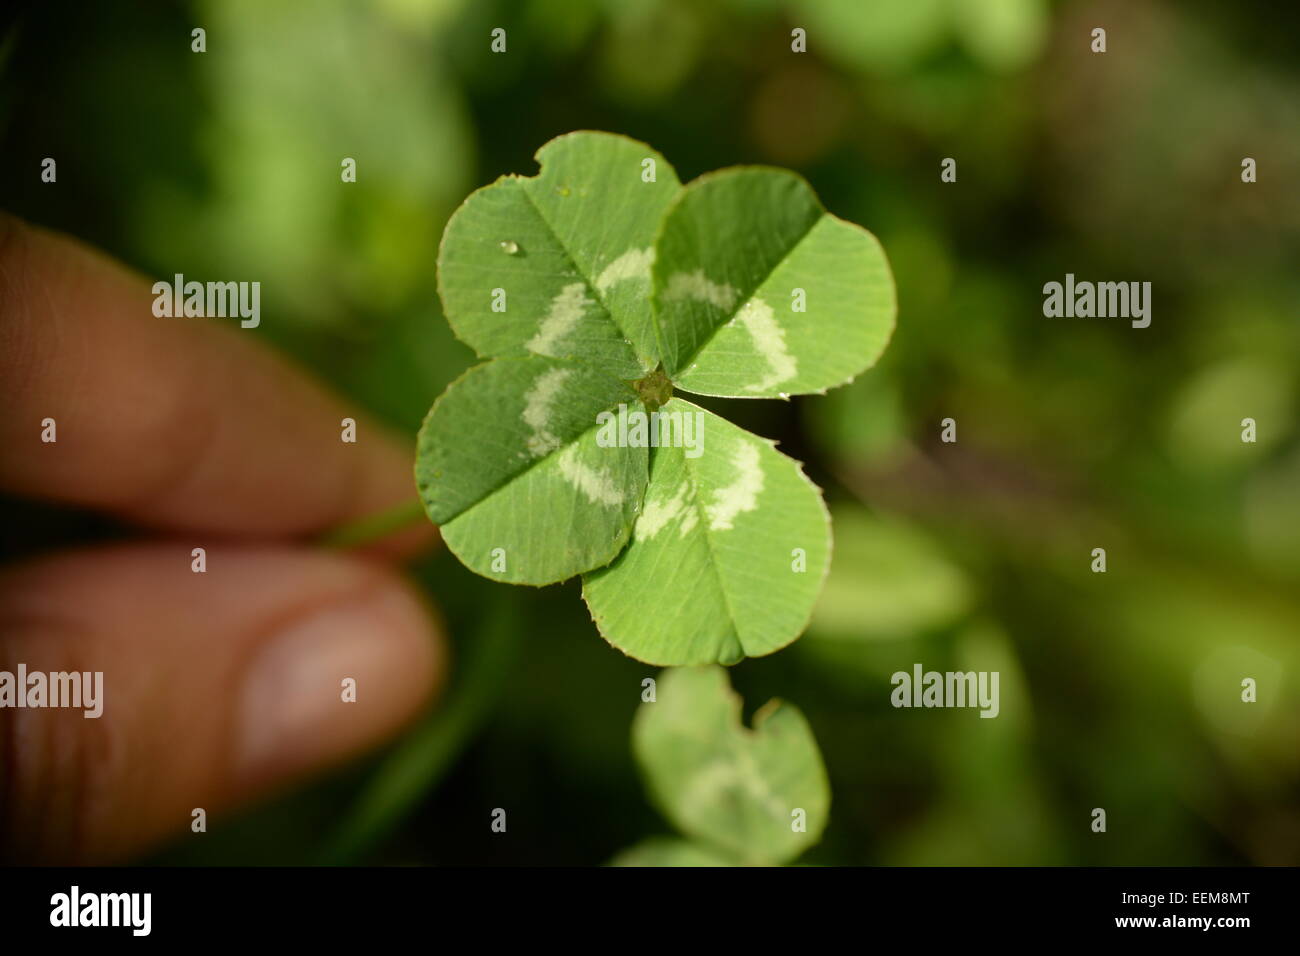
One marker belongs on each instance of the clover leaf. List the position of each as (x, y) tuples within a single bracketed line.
[(594, 290), (570, 248), (759, 292), (715, 563), (508, 465), (743, 796)]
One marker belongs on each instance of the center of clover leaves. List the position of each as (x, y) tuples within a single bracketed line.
[(654, 389)]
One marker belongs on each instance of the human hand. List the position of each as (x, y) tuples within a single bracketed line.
[(218, 686)]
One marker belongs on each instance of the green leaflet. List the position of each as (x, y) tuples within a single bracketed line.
[(570, 249), (507, 463), (666, 851), (742, 792), (761, 293), (916, 590), (608, 277), (730, 550)]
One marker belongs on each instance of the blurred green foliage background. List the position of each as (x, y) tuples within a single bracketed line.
[(1119, 690)]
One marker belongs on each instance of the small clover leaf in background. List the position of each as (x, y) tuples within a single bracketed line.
[(668, 851), (595, 288), (743, 796)]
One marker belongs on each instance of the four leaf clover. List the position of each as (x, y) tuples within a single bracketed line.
[(603, 285)]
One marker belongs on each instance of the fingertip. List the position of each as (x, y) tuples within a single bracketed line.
[(269, 665), (329, 683)]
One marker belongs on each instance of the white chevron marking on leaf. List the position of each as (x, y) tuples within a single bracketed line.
[(633, 264), (742, 494), (597, 486), (537, 410), (565, 311), (769, 339), (696, 285)]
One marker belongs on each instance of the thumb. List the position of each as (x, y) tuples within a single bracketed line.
[(217, 687)]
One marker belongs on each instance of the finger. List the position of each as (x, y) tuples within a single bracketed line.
[(216, 688), (172, 422)]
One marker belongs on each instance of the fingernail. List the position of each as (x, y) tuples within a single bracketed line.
[(332, 682)]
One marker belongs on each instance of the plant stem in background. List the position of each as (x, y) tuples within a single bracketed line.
[(423, 757), (374, 527)]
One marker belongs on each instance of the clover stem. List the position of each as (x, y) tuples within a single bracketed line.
[(373, 527)]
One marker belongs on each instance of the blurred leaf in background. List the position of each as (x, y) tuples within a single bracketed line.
[(753, 796), (296, 88)]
